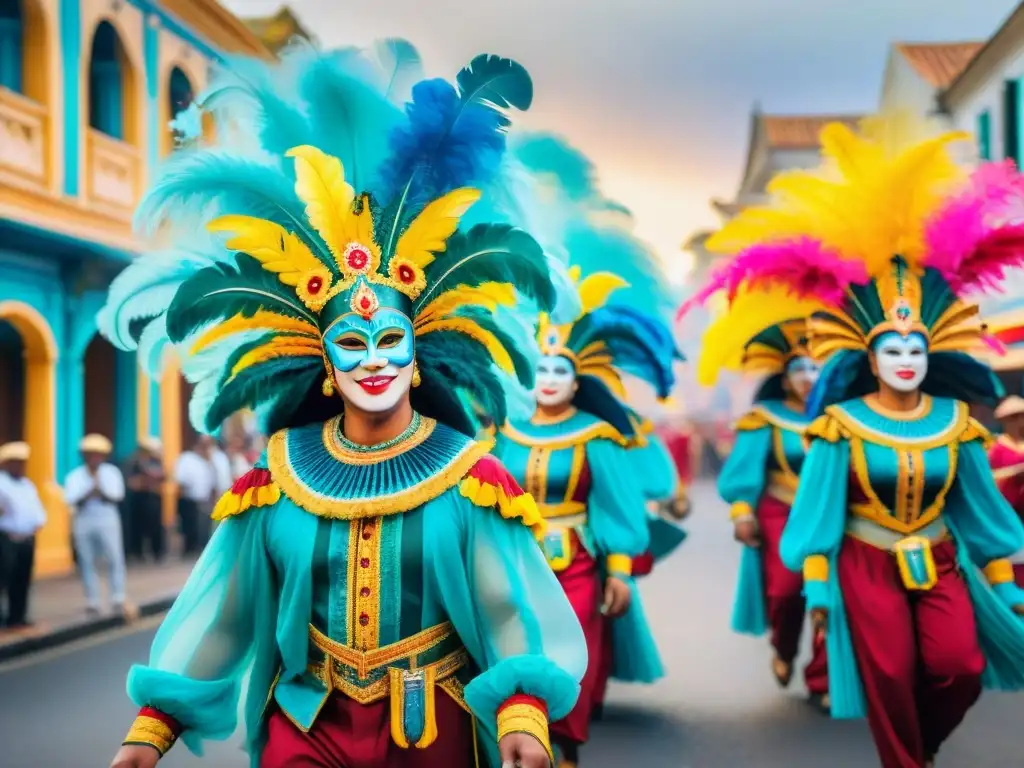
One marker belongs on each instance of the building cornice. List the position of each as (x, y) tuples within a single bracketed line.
[(999, 48)]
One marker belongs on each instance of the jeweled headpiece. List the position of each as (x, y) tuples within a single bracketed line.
[(325, 198)]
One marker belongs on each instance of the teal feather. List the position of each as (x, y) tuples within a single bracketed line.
[(448, 363), (217, 293), (546, 154), (152, 349), (485, 320), (494, 80), (401, 66), (491, 253), (283, 375)]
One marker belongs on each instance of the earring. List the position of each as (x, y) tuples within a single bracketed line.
[(416, 378), (328, 386)]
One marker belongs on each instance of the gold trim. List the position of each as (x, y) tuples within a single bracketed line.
[(999, 572), (579, 458), (151, 732), (364, 662), (599, 430), (949, 434), (903, 477), (919, 411), (528, 719), (619, 565), (740, 509), (778, 421), (386, 504), (815, 568), (338, 450), (564, 509), (380, 689), (366, 637), (537, 473), (540, 420)]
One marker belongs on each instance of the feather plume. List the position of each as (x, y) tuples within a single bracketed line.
[(429, 231), (401, 65), (595, 289), (276, 249), (320, 184)]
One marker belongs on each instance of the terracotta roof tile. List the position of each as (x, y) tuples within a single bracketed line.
[(800, 131), (939, 63)]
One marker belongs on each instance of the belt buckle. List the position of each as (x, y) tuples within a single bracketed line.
[(558, 550), (916, 563)]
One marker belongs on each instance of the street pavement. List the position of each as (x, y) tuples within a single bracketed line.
[(718, 707)]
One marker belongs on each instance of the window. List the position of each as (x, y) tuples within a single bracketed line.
[(106, 82), (11, 45), (1011, 120), (985, 135), (180, 95)]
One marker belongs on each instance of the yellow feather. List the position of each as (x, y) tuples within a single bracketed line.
[(320, 184), (429, 231), (277, 249), (281, 346), (487, 295), (261, 319), (467, 327), (575, 271), (596, 288)]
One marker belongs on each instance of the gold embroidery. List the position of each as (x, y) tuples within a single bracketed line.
[(363, 662), (556, 442), (525, 718), (364, 589), (337, 449), (537, 473), (579, 457), (903, 478), (152, 732), (331, 675), (385, 504)]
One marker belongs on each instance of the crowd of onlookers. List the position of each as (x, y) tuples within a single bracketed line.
[(116, 513)]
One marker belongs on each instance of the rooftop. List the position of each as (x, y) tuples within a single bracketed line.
[(939, 64), (800, 131)]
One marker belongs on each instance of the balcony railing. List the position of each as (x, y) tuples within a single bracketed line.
[(24, 140), (113, 175)]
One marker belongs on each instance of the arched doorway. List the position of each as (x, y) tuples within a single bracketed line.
[(12, 384), (111, 86), (109, 396), (36, 393)]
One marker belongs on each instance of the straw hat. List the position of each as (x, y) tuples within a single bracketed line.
[(18, 451), (95, 444), (1011, 406), (151, 444)]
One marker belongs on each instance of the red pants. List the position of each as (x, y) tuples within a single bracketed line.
[(1018, 574), (784, 598), (583, 588), (917, 652), (347, 734), (604, 662)]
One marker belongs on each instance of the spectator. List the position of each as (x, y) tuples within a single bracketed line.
[(199, 480), (93, 492), (21, 515), (145, 481)]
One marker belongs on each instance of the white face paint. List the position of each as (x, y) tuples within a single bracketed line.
[(802, 373), (555, 381), (373, 360), (902, 362)]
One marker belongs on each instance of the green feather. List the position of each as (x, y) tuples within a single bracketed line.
[(288, 378), (487, 253), (523, 365), (448, 362), (494, 80), (219, 292)]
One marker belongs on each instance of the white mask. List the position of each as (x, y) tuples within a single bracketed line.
[(802, 373), (374, 389), (555, 381), (902, 361)]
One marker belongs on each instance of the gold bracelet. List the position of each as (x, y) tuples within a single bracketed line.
[(528, 719), (151, 732), (816, 568), (740, 510), (619, 565), (999, 571)]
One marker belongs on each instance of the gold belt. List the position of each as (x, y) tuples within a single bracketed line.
[(366, 676), (563, 509), (782, 486)]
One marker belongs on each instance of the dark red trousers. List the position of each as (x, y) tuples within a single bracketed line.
[(917, 652), (347, 734), (784, 598), (582, 586), (1018, 574), (604, 662)]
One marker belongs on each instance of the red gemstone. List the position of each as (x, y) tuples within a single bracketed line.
[(364, 303), (364, 592), (365, 562), (314, 285), (363, 619), (367, 532), (406, 274), (357, 259)]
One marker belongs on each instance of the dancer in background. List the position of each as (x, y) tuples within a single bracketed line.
[(1007, 459), (570, 455), (374, 593), (902, 516)]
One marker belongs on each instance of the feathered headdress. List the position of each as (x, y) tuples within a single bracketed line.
[(605, 341), (886, 236), (346, 204)]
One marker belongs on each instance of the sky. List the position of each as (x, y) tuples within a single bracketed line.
[(658, 93)]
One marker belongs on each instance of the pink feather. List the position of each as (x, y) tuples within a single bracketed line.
[(804, 266), (970, 240)]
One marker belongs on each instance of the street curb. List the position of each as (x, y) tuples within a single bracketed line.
[(69, 633)]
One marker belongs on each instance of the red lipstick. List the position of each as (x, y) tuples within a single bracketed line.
[(376, 385), (905, 374)]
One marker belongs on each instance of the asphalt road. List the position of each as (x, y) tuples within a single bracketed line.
[(718, 707)]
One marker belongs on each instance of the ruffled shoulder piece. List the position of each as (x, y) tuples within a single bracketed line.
[(778, 414), (578, 428), (752, 421), (256, 488), (936, 422), (489, 484), (975, 430), (828, 428), (322, 473)]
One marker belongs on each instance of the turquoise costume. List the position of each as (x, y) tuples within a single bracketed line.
[(395, 586)]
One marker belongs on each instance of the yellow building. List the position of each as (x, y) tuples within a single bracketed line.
[(87, 88)]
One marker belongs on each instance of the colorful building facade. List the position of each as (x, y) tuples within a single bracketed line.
[(87, 89)]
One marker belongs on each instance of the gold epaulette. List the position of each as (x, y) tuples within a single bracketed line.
[(751, 420), (975, 430), (827, 428)]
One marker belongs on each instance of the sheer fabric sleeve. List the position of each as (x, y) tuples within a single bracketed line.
[(205, 644)]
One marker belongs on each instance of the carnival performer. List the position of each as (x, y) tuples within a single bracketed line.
[(375, 582), (759, 480), (1006, 457), (902, 518), (570, 456)]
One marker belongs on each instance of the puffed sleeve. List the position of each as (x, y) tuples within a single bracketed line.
[(654, 464), (506, 604), (203, 649), (616, 516), (743, 476), (817, 519)]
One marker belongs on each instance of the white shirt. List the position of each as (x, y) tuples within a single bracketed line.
[(21, 511), (80, 483), (222, 467), (196, 477)]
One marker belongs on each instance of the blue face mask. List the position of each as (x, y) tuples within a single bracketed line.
[(354, 341)]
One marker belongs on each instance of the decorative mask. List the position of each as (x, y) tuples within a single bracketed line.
[(802, 373), (555, 381), (901, 361)]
